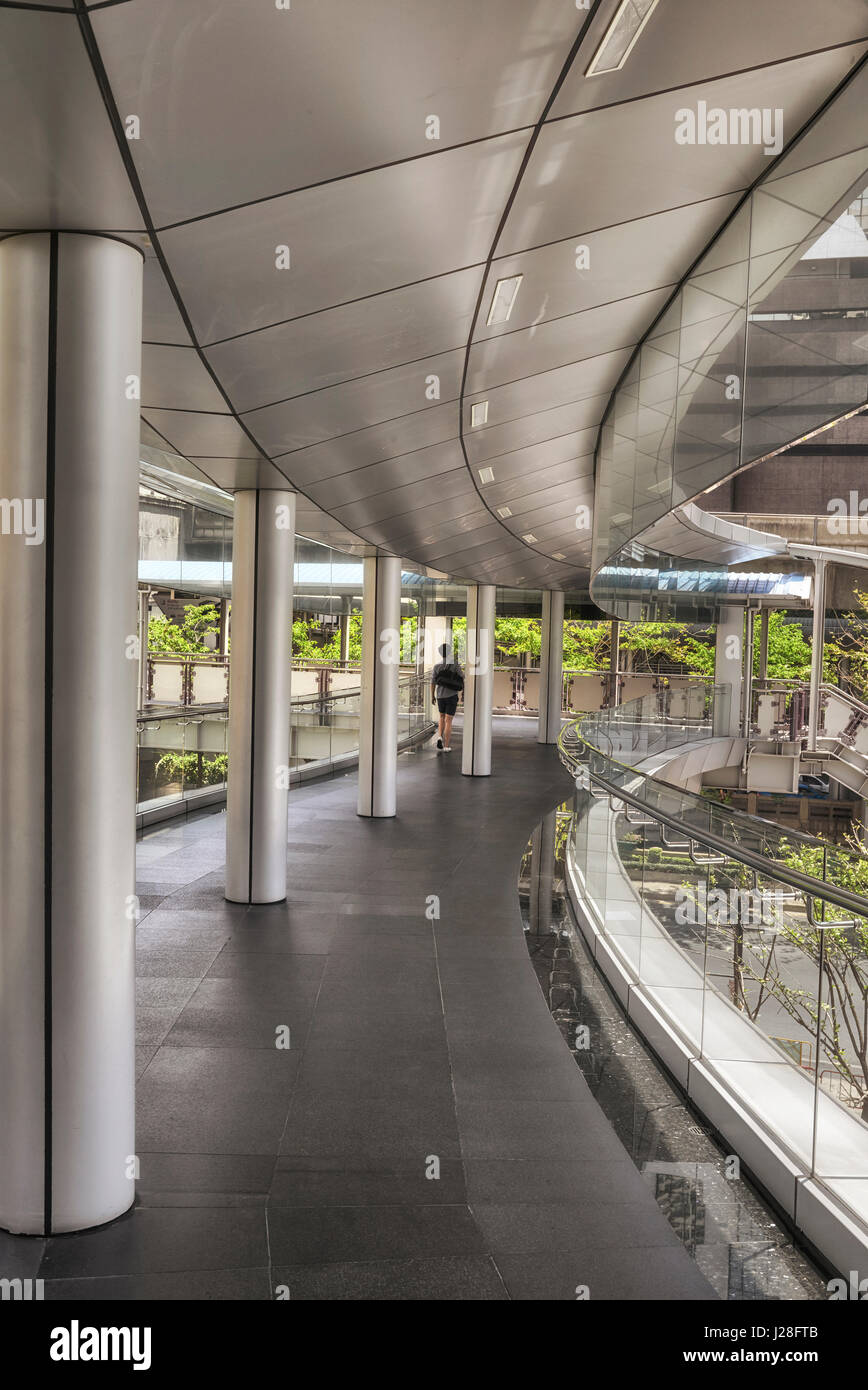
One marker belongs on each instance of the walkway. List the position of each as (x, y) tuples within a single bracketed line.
[(416, 1047)]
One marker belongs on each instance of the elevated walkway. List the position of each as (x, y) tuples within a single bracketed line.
[(427, 1134)]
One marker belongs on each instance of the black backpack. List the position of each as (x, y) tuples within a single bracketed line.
[(450, 677)]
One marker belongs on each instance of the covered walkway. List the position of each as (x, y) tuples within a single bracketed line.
[(307, 1069)]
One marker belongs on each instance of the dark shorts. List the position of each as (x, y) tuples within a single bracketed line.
[(448, 706)]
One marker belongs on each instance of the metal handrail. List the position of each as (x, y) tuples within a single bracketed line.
[(803, 883)]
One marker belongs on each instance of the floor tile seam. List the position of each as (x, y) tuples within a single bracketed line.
[(295, 1083)]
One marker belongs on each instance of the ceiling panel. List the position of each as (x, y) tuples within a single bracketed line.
[(674, 49), (233, 474), (161, 317), (397, 439), (380, 477), (175, 377), (578, 418), (203, 435), (60, 166), (400, 500), (528, 464), (345, 240), (638, 168), (575, 383), (559, 341), (624, 260), (356, 339), (241, 101), (524, 489), (378, 398)]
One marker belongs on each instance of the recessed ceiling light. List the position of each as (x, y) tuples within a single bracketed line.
[(478, 414), (503, 299), (618, 41), (558, 555), (530, 538), (504, 511), (486, 475)]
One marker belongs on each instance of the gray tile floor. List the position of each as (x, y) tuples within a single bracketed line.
[(426, 1134)]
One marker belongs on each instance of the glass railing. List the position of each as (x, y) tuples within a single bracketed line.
[(182, 753), (749, 940)]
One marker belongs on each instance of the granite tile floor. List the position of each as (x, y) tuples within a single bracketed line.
[(361, 1093)]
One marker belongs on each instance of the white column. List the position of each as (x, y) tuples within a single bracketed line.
[(764, 644), (70, 366), (614, 662), (817, 649), (378, 719), (144, 616), (260, 676), (747, 673), (478, 681), (728, 654), (551, 666)]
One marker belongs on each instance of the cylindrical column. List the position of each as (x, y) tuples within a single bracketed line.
[(144, 617), (614, 662), (727, 671), (381, 653), (818, 639), (747, 673), (551, 666), (344, 631), (260, 674), (765, 613), (478, 681), (70, 366)]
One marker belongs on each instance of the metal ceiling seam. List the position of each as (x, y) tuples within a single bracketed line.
[(704, 81), (479, 139), (105, 89), (345, 304), (344, 178)]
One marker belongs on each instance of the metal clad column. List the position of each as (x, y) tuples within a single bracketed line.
[(727, 670), (818, 639), (378, 719), (478, 681), (70, 367), (260, 675), (551, 665)]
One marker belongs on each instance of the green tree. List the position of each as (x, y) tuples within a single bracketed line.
[(200, 619), (842, 1014)]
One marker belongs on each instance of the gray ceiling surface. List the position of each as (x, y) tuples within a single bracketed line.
[(351, 374)]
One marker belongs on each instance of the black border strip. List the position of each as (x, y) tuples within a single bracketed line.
[(48, 732)]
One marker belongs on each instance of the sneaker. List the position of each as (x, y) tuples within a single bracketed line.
[(447, 750), (440, 744)]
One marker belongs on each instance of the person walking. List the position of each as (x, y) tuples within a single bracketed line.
[(447, 683)]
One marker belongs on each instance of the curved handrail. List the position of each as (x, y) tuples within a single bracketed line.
[(810, 887)]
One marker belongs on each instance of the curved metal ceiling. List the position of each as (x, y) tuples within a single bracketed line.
[(257, 128)]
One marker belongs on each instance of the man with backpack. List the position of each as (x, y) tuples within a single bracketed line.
[(447, 682)]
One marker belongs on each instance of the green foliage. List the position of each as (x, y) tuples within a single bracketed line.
[(199, 620), (185, 767), (842, 1015), (850, 650), (515, 636), (789, 653), (586, 645), (670, 640)]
